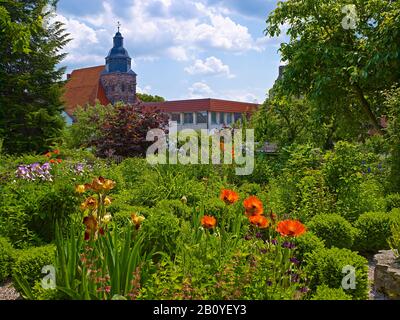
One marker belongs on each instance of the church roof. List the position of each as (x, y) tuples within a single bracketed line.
[(83, 87)]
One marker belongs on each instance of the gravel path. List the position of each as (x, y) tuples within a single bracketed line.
[(8, 292), (373, 295)]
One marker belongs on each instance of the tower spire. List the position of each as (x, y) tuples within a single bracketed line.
[(119, 25)]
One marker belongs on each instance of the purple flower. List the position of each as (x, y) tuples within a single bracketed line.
[(274, 242), (259, 235), (248, 237), (269, 283), (288, 245), (263, 251), (294, 278), (304, 290), (294, 260)]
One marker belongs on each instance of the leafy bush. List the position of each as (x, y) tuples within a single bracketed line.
[(335, 230), (394, 241), (374, 231), (160, 231), (326, 293), (177, 207), (326, 266), (29, 263), (124, 131), (6, 258), (392, 201), (306, 244)]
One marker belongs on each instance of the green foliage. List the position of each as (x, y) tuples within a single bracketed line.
[(392, 102), (176, 207), (6, 259), (149, 98), (116, 260), (325, 267), (335, 230), (306, 244), (394, 241), (374, 231), (325, 293), (339, 67), (87, 126), (30, 91), (29, 263), (392, 201), (160, 231)]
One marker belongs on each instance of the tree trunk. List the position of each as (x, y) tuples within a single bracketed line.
[(367, 108)]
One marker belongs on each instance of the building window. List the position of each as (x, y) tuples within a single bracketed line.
[(188, 118), (202, 117), (213, 118), (123, 88), (222, 118), (228, 118), (176, 117), (238, 117)]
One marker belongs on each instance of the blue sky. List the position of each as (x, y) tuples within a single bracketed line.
[(181, 49)]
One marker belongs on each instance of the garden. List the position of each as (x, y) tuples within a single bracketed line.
[(135, 231), (84, 215)]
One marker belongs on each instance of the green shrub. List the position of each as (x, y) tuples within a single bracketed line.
[(306, 244), (392, 201), (160, 231), (6, 258), (335, 230), (29, 263), (326, 266), (177, 207), (374, 231), (394, 241), (326, 293)]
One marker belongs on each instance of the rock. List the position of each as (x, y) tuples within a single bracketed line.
[(387, 274)]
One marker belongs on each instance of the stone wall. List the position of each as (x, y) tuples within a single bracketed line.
[(120, 87), (387, 274)]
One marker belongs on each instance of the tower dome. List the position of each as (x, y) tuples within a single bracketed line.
[(118, 59)]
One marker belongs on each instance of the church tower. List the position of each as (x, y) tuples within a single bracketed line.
[(118, 79)]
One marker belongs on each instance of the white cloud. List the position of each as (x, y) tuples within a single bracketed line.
[(200, 90), (167, 35), (210, 66), (145, 90)]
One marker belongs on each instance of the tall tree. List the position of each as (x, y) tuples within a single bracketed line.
[(30, 87), (340, 54)]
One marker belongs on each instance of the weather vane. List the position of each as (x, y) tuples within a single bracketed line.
[(119, 25)]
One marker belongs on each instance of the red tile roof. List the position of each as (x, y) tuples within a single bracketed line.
[(83, 87), (215, 105)]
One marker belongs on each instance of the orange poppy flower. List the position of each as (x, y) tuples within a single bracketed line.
[(291, 228), (48, 155), (52, 161), (229, 196), (259, 221), (59, 160), (253, 206), (56, 151), (208, 222)]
